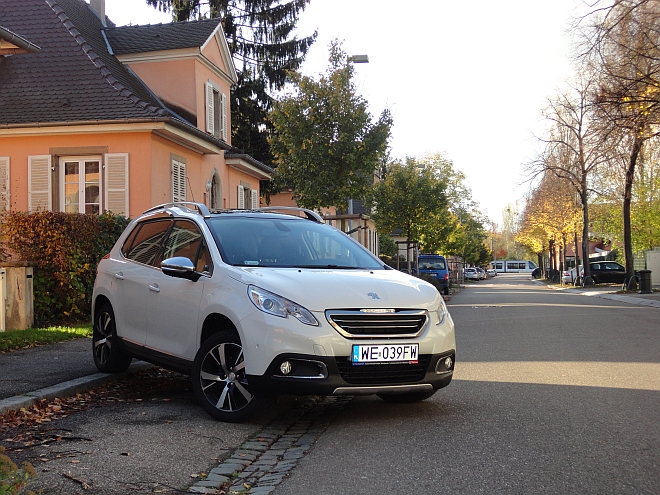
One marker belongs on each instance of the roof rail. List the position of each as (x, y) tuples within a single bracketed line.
[(191, 205), (311, 215)]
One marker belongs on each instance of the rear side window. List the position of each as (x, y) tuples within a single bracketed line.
[(144, 244)]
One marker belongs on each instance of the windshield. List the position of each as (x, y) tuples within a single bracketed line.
[(283, 242)]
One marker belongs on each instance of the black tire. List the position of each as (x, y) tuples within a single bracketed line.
[(219, 381), (445, 291), (407, 398), (109, 353)]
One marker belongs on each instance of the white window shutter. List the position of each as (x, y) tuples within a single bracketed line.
[(209, 108), (4, 184), (178, 181), (39, 183), (254, 196), (116, 183), (241, 198), (225, 123)]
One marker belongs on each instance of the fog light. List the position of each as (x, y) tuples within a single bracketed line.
[(286, 367), (445, 365)]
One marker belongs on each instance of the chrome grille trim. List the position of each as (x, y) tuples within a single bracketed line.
[(357, 324)]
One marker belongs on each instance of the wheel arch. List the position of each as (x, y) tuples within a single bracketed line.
[(99, 302), (214, 323)]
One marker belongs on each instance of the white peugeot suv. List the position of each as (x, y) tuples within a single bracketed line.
[(256, 303)]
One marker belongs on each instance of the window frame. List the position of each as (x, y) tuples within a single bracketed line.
[(82, 161)]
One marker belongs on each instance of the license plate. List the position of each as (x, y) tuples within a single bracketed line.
[(397, 353)]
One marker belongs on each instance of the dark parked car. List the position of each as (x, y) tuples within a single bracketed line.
[(435, 265), (607, 272)]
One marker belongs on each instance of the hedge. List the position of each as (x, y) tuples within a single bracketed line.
[(65, 249)]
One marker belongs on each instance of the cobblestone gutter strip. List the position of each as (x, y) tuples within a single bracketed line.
[(261, 463)]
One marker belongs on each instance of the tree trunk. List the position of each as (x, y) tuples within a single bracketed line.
[(627, 199), (585, 227)]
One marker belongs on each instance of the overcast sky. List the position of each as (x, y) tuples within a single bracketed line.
[(467, 79)]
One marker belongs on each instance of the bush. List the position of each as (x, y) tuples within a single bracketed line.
[(65, 248), (12, 478)]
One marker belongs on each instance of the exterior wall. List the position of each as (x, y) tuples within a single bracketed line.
[(136, 144), (172, 81), (149, 167), (285, 198), (212, 52)]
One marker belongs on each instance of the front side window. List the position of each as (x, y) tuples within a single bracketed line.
[(81, 185), (186, 240)]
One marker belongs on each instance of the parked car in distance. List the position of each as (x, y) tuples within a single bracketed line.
[(482, 273), (607, 272), (253, 303), (471, 273), (491, 272), (569, 276), (435, 265)]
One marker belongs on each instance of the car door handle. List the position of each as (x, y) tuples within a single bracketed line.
[(154, 288), (119, 276)]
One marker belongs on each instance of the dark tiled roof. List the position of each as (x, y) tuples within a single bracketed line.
[(141, 39), (73, 77)]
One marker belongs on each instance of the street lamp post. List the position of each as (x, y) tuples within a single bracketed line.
[(359, 59)]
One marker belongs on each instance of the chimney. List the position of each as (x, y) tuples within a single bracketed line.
[(98, 6)]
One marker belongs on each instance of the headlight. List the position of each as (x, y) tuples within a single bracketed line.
[(279, 306), (442, 312)]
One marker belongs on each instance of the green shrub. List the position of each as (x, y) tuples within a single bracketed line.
[(12, 478), (65, 249)]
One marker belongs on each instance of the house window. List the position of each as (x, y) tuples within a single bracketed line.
[(216, 112), (80, 185), (247, 198)]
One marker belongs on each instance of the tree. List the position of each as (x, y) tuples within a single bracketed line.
[(326, 145), (551, 217), (409, 198), (623, 45), (575, 145), (260, 37)]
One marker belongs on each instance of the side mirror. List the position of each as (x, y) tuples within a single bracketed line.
[(180, 267)]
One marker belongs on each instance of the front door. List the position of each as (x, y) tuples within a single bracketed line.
[(175, 302)]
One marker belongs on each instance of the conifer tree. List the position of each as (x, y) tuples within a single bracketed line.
[(264, 48)]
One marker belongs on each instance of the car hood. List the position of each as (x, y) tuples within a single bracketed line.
[(319, 289)]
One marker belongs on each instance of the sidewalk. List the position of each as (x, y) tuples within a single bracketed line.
[(49, 371), (610, 292)]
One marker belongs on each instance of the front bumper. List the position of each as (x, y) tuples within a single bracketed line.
[(330, 375)]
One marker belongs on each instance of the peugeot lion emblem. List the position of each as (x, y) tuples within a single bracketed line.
[(373, 295)]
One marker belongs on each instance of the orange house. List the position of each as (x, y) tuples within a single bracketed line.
[(95, 117)]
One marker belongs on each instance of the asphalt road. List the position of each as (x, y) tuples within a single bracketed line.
[(553, 393)]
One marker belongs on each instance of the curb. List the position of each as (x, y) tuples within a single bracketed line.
[(64, 389)]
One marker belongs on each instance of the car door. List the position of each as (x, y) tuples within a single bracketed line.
[(174, 303), (132, 274)]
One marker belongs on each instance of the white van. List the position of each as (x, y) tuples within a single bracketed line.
[(513, 266)]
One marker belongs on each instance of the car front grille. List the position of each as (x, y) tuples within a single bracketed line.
[(358, 324), (380, 374)]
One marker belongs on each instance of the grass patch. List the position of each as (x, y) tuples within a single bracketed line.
[(12, 340)]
